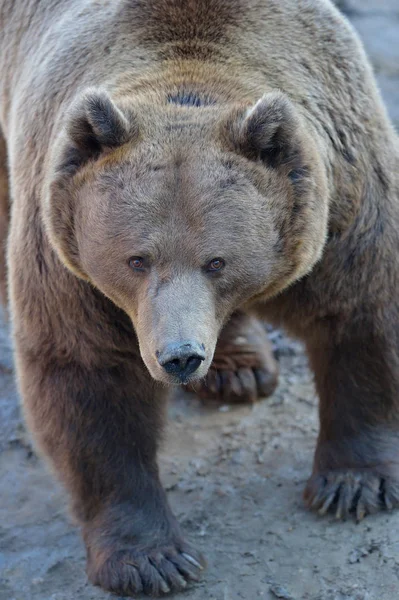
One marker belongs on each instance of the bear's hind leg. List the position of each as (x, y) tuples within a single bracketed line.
[(100, 428), (356, 464), (243, 368)]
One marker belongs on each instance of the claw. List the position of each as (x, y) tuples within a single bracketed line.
[(349, 492), (346, 494), (388, 503), (164, 587), (266, 382), (182, 581), (192, 560), (213, 381), (329, 500), (360, 511), (317, 499)]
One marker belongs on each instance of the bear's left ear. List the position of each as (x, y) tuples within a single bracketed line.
[(271, 132), (94, 126)]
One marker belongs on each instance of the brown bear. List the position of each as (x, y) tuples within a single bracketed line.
[(177, 167)]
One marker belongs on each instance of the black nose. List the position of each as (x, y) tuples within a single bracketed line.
[(181, 359)]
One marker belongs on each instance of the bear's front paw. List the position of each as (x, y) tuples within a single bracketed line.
[(244, 369), (350, 492), (154, 571)]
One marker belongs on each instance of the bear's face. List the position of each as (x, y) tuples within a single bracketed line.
[(180, 222)]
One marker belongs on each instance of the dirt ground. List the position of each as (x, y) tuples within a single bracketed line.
[(234, 475)]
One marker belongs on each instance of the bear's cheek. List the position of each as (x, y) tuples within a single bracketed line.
[(117, 283)]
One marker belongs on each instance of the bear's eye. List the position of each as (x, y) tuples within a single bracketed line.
[(215, 265), (136, 263)]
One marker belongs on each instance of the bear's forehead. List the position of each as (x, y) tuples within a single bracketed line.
[(159, 175), (161, 195)]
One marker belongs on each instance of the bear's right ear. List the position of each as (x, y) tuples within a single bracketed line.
[(94, 125)]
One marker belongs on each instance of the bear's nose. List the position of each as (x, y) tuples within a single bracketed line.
[(181, 359)]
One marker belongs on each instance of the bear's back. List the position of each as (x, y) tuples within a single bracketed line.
[(305, 48)]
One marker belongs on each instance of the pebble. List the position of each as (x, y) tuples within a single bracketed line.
[(280, 592)]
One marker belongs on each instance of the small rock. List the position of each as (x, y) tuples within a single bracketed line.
[(279, 592), (354, 557), (201, 467), (357, 554)]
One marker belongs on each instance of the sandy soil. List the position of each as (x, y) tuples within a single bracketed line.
[(234, 475)]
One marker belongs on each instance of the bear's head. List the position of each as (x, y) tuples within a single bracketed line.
[(180, 215)]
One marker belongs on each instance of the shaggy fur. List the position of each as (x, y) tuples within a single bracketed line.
[(180, 131)]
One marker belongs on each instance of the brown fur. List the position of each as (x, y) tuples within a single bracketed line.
[(4, 216), (188, 130)]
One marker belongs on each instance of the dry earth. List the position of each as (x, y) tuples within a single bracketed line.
[(234, 475)]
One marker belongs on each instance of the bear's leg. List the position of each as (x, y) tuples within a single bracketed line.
[(356, 464), (4, 217), (100, 428), (243, 368)]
